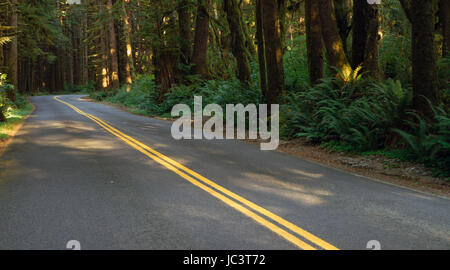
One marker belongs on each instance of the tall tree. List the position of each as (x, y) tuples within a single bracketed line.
[(273, 51), (334, 47), (444, 14), (261, 49), (423, 56), (184, 24), (314, 41), (199, 58), (12, 54), (129, 63), (113, 48), (365, 37), (343, 10), (238, 39)]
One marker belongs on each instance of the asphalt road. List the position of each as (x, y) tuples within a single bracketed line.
[(65, 177)]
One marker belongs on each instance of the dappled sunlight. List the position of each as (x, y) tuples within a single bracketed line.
[(272, 185), (304, 173), (68, 140), (377, 214)]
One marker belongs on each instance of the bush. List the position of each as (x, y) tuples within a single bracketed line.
[(359, 113), (430, 142)]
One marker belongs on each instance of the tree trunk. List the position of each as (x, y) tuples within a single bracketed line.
[(104, 71), (343, 11), (238, 39), (261, 50), (371, 65), (314, 41), (129, 64), (184, 24), (365, 37), (406, 5), (12, 55), (334, 47), (359, 32), (273, 51), (423, 57), (201, 39), (444, 14), (113, 49), (281, 5)]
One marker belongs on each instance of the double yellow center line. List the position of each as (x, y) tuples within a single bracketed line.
[(239, 203)]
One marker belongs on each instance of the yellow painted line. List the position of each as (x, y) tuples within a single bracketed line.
[(174, 166)]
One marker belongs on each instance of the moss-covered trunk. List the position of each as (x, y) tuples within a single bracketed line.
[(238, 39), (334, 47)]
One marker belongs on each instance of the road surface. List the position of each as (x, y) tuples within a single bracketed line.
[(109, 179)]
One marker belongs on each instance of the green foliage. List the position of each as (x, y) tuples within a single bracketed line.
[(430, 142), (359, 113), (395, 46), (296, 66), (82, 89)]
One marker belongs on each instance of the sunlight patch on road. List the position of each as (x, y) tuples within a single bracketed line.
[(271, 221)]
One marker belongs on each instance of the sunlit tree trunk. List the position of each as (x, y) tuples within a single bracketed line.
[(314, 41), (334, 47), (343, 19), (201, 39), (423, 56), (113, 48), (129, 64), (104, 71)]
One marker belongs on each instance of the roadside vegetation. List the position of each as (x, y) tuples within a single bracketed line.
[(352, 77), (11, 113)]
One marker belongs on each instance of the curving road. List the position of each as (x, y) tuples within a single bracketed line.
[(109, 179)]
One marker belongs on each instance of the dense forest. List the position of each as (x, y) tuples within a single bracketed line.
[(350, 75)]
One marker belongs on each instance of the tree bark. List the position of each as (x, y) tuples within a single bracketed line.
[(423, 57), (365, 37), (371, 65), (273, 51), (343, 11), (184, 25), (104, 71), (238, 39), (129, 63), (359, 32), (444, 14), (334, 47), (113, 48), (261, 50), (201, 39), (12, 55), (314, 41), (406, 5)]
